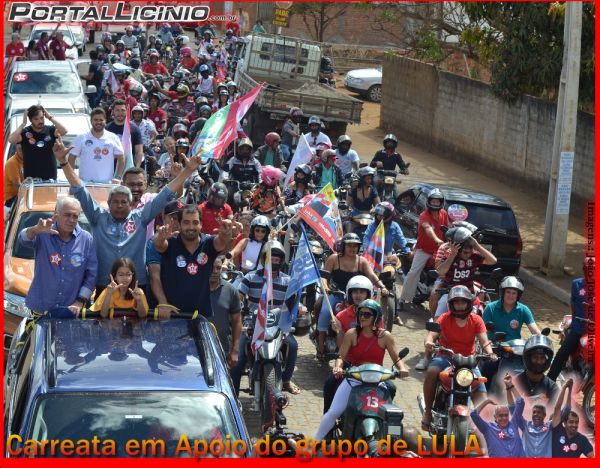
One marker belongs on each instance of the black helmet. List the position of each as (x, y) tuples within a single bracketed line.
[(437, 194), (364, 172), (538, 344), (458, 235), (390, 137), (349, 238), (306, 171), (182, 143), (511, 282), (460, 292), (135, 62), (218, 190)]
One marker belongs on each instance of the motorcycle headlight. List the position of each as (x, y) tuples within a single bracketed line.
[(370, 376), (15, 305), (464, 377), (271, 333)]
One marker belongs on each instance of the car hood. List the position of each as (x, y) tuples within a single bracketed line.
[(365, 73), (18, 274)]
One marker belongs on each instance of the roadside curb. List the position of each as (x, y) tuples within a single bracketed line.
[(538, 281)]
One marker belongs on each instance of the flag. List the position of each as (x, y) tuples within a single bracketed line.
[(303, 272), (320, 214), (258, 337), (221, 128), (114, 83), (302, 155), (126, 141), (222, 65), (375, 249)]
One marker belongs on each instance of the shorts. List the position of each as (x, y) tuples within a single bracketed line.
[(442, 361)]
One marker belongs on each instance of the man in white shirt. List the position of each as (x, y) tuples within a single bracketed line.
[(145, 126), (346, 159), (97, 150), (315, 136)]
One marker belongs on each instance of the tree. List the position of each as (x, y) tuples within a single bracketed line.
[(318, 16)]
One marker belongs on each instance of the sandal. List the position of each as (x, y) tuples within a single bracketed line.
[(291, 387)]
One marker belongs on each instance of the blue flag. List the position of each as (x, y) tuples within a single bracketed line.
[(303, 272)]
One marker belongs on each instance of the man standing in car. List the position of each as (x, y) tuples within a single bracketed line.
[(58, 47), (37, 141)]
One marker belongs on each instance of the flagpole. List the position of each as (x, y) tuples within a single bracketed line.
[(323, 288)]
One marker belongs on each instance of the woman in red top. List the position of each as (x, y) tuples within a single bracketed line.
[(365, 344)]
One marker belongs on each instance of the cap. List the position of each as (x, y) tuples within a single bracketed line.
[(174, 206)]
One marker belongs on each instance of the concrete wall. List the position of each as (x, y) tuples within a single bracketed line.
[(459, 116)]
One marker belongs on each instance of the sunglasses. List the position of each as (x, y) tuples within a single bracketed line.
[(367, 314)]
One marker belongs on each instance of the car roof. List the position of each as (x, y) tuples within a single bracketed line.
[(463, 195), (116, 355), (43, 65)]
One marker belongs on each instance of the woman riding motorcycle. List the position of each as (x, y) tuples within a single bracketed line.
[(364, 197), (252, 247), (342, 266), (267, 196), (366, 343), (301, 185)]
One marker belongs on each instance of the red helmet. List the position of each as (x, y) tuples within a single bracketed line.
[(186, 51), (328, 154), (271, 139), (270, 176)]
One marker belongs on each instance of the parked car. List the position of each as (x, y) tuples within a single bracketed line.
[(366, 82), (45, 79), (120, 380), (491, 214), (68, 37), (35, 200)]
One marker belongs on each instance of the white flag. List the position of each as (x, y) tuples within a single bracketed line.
[(303, 155)]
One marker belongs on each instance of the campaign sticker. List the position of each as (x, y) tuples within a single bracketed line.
[(29, 135), (202, 258), (31, 141), (457, 212), (20, 77), (130, 226), (97, 150), (55, 258), (192, 268), (76, 260), (40, 144), (47, 138), (562, 439), (180, 260), (88, 143), (573, 446), (104, 151), (514, 324)]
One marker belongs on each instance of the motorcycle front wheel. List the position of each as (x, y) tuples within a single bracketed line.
[(589, 405), (389, 311), (459, 428), (270, 385)]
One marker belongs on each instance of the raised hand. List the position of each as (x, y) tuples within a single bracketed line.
[(136, 293), (112, 286), (226, 228), (24, 122), (165, 232), (507, 380), (45, 226), (59, 149), (194, 162)]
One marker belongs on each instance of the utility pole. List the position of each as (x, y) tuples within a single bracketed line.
[(563, 150)]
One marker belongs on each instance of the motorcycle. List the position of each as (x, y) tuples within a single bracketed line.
[(452, 403), (386, 184), (370, 414), (359, 223), (581, 362), (239, 194), (331, 349)]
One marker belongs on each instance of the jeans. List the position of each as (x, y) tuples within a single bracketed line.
[(324, 315), (566, 348), (285, 150), (290, 363)]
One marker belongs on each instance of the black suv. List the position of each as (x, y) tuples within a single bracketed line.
[(494, 217)]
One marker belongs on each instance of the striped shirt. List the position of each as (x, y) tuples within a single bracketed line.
[(252, 285)]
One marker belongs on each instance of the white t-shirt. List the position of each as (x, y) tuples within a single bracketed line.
[(344, 161), (97, 155), (321, 138), (147, 129)]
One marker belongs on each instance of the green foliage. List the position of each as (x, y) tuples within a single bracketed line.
[(522, 44), (428, 47)]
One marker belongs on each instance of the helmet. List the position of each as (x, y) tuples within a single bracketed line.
[(154, 54), (271, 138), (135, 63), (177, 128), (186, 51), (106, 36), (259, 221), (349, 238), (458, 235), (534, 345), (120, 42), (184, 39), (229, 32), (245, 142), (219, 190), (210, 47), (344, 139), (201, 100), (232, 84), (359, 282), (314, 120), (136, 88), (205, 108), (221, 86), (390, 137), (437, 194), (296, 112), (511, 282), (129, 29), (182, 143), (277, 250), (364, 172), (182, 91), (460, 292), (322, 147), (328, 153), (374, 306), (270, 175), (207, 32), (204, 68), (223, 92), (386, 209), (158, 42), (306, 170), (137, 108)]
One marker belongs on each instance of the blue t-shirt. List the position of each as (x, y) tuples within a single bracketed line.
[(578, 297), (563, 447), (511, 322)]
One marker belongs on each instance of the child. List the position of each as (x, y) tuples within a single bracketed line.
[(118, 294)]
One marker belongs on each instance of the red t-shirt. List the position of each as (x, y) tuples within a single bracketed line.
[(210, 215), (154, 69), (234, 26), (347, 318), (15, 50), (58, 48), (424, 242), (158, 116), (461, 271), (460, 339)]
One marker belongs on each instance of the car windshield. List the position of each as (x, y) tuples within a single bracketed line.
[(142, 416), (45, 82), (492, 217), (31, 218), (67, 36)]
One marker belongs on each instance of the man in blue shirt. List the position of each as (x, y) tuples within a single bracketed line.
[(120, 231), (577, 328), (65, 260)]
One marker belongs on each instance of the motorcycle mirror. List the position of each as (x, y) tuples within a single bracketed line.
[(403, 353), (499, 336), (433, 274), (496, 273), (433, 327), (546, 331), (489, 326)]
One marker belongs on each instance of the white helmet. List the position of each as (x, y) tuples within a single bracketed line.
[(184, 39), (359, 282)]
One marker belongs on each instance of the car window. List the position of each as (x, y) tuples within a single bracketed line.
[(141, 416), (406, 201), (490, 216), (29, 219), (45, 82), (420, 204)]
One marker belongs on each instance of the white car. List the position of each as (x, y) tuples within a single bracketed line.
[(366, 82), (68, 37)]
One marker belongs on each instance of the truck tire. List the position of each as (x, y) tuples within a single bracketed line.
[(374, 93), (589, 405)]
